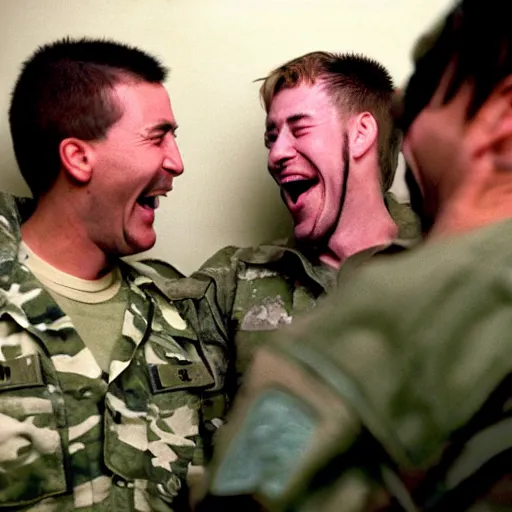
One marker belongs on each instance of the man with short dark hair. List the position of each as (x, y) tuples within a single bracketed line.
[(333, 151), (101, 376), (396, 394)]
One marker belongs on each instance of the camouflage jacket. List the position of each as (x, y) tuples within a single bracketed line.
[(74, 439), (394, 395), (259, 289)]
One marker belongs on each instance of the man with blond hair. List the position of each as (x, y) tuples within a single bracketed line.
[(333, 151)]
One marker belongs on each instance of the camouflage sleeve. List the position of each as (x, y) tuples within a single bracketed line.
[(217, 351), (221, 269), (215, 329)]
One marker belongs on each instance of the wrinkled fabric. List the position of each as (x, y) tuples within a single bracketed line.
[(260, 289)]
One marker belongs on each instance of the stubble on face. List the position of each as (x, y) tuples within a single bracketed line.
[(326, 234)]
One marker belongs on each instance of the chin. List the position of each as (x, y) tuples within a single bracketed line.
[(303, 235), (311, 236), (139, 244), (312, 228)]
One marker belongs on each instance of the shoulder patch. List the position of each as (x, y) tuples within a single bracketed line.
[(267, 449)]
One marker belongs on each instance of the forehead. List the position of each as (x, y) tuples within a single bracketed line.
[(304, 99), (143, 104)]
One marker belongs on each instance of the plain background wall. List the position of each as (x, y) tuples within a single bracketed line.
[(215, 49)]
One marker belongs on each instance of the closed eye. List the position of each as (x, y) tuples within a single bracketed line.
[(300, 131), (157, 141), (270, 138)]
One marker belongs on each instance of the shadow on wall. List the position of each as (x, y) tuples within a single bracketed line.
[(10, 177), (267, 214)]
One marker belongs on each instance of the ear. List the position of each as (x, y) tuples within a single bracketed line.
[(495, 125), (77, 158), (363, 134)]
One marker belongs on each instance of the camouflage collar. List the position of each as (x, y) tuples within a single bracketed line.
[(360, 258), (167, 279), (409, 226), (284, 251), (268, 252)]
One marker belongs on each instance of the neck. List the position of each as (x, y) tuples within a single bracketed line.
[(356, 232), (55, 233), (365, 221), (473, 209)]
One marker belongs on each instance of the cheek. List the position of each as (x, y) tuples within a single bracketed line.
[(429, 136), (416, 142), (319, 144), (409, 147)]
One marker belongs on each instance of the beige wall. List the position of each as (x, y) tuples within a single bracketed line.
[(215, 48)]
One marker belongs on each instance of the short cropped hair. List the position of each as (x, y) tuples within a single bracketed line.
[(475, 43), (355, 84), (65, 90)]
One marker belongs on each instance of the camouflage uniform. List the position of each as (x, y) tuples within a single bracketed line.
[(74, 439), (259, 289), (395, 395)]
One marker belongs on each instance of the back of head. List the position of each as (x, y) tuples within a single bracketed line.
[(355, 84), (475, 41), (65, 90)]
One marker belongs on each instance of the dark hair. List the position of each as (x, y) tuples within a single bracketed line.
[(65, 90), (355, 84), (475, 40)]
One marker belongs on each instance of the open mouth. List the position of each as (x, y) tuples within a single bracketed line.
[(151, 202), (294, 189)]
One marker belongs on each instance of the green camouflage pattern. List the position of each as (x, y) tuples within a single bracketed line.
[(394, 395), (259, 289), (74, 439)]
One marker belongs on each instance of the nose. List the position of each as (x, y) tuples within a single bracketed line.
[(281, 150), (172, 161)]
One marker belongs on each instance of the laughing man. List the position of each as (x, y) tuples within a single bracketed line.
[(332, 150), (100, 376)]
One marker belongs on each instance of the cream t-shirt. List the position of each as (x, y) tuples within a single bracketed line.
[(96, 307)]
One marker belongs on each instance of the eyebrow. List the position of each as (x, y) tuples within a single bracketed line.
[(289, 120), (163, 127)]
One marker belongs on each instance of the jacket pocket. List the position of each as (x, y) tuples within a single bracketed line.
[(32, 460)]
